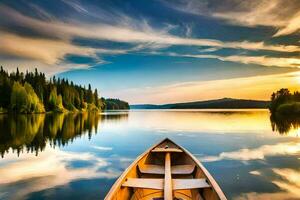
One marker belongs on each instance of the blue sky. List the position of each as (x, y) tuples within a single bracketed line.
[(157, 51)]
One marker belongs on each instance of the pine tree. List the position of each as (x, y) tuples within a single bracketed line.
[(31, 92)]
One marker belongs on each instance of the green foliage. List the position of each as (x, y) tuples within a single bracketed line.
[(5, 89), (115, 104), (55, 101), (34, 103), (32, 93), (101, 104), (2, 110), (19, 101), (284, 102), (90, 95), (96, 98), (92, 107), (280, 97), (289, 108), (25, 100)]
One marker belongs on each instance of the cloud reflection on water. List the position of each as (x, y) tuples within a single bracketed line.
[(260, 153), (244, 145), (287, 180), (290, 180), (50, 169)]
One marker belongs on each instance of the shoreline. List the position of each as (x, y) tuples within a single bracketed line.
[(64, 112)]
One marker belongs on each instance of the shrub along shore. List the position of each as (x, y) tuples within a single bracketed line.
[(31, 92), (284, 102)]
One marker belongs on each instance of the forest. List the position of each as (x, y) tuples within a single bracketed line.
[(31, 92), (284, 102)]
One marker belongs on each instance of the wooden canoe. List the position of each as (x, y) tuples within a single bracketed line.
[(166, 171)]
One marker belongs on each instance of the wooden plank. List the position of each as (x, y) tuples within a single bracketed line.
[(159, 169), (146, 183), (114, 190), (152, 169), (184, 184), (216, 188), (182, 169), (117, 193), (166, 150), (168, 179)]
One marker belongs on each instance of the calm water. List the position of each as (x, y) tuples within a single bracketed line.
[(80, 156)]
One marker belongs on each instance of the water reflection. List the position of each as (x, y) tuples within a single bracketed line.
[(260, 153), (238, 147), (115, 116), (31, 133), (209, 121), (285, 124), (52, 168), (287, 180)]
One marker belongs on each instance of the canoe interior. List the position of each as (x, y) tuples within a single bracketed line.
[(156, 176)]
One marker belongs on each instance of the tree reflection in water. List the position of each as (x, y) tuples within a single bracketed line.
[(283, 124), (31, 133)]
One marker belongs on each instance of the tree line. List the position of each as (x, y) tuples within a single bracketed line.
[(32, 133), (284, 102), (31, 92)]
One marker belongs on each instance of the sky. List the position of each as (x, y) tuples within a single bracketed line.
[(157, 51)]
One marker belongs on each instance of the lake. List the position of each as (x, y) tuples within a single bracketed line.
[(79, 156)]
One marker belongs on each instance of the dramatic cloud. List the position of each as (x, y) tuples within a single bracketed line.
[(292, 26), (258, 60), (87, 34), (284, 15), (129, 30), (55, 38), (44, 50)]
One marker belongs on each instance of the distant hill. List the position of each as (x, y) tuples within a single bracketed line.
[(209, 104)]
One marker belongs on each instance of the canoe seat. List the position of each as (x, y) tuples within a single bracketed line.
[(184, 184), (166, 150), (146, 183), (159, 169), (158, 184), (152, 169), (182, 169)]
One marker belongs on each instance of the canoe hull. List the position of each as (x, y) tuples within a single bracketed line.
[(165, 171)]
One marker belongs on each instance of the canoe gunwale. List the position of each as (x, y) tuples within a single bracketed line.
[(119, 181), (210, 179)]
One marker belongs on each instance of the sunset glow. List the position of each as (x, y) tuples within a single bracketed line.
[(165, 51)]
